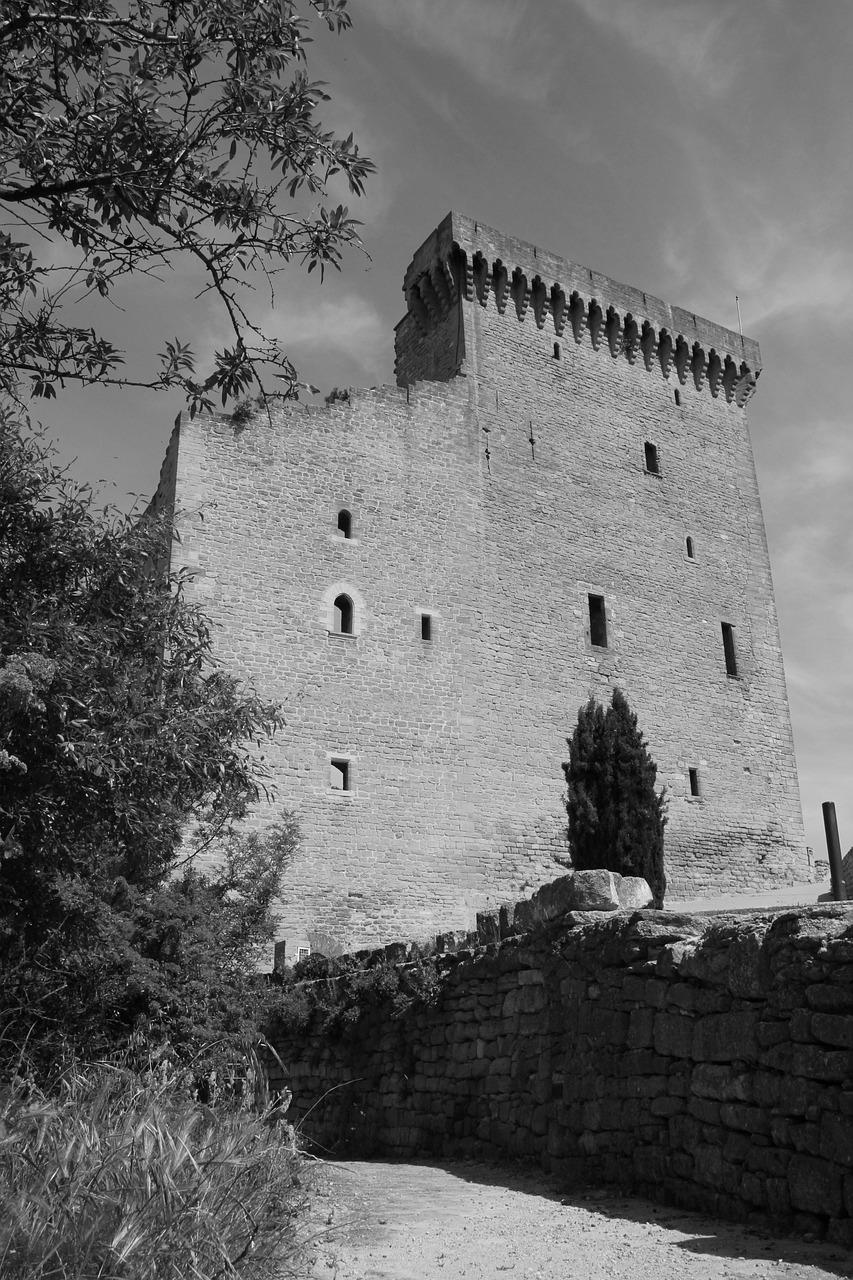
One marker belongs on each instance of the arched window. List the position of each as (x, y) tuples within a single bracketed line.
[(345, 523), (343, 614), (690, 555)]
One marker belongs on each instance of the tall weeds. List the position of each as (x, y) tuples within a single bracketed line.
[(120, 1177)]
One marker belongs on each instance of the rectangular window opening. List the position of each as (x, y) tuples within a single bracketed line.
[(677, 397), (340, 775), (729, 648), (597, 622), (302, 953), (652, 461), (426, 626), (694, 782)]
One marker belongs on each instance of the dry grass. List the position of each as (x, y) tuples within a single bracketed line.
[(121, 1176)]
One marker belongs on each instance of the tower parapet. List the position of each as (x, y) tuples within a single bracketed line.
[(467, 261)]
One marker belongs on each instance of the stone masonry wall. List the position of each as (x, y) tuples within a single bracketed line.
[(704, 1062), (496, 490)]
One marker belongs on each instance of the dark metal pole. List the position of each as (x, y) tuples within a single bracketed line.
[(833, 846)]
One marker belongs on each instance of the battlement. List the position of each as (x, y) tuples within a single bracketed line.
[(467, 261)]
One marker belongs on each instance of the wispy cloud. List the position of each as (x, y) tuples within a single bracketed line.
[(697, 44), (498, 42), (339, 324)]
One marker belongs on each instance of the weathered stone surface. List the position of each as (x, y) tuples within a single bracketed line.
[(836, 1138), (593, 891), (634, 893), (726, 1037), (815, 1186), (555, 900), (835, 1029)]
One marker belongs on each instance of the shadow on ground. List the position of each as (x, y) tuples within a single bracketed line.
[(704, 1234)]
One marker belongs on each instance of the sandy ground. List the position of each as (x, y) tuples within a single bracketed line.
[(389, 1221)]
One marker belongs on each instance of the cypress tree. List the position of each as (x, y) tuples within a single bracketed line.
[(616, 818)]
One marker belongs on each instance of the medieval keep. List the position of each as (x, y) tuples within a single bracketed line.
[(558, 496)]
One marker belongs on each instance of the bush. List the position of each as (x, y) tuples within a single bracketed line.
[(177, 963), (330, 995), (616, 818), (117, 1175)]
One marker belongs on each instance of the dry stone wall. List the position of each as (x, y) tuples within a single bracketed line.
[(703, 1061)]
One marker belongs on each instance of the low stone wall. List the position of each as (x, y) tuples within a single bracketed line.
[(705, 1062)]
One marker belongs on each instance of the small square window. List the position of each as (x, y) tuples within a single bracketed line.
[(426, 626), (302, 953), (597, 622), (652, 460), (339, 775)]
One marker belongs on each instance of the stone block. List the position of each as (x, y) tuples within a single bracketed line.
[(554, 900), (726, 1037), (840, 1231), (735, 1115), (829, 997), (817, 1063), (769, 1160), (640, 1029), (815, 1186), (836, 1138), (713, 1080), (833, 1028), (673, 1034), (708, 1165), (488, 927), (805, 1138), (778, 1197), (593, 891), (634, 893), (748, 970)]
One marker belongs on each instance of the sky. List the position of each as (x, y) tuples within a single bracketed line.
[(697, 150)]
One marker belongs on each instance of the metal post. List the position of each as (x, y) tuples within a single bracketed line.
[(833, 846)]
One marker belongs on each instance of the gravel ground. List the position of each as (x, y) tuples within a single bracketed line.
[(390, 1221)]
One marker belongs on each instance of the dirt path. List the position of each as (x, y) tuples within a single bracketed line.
[(381, 1221)]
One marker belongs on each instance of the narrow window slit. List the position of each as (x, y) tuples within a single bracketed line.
[(556, 351), (652, 460), (729, 648), (690, 555), (597, 622), (677, 396), (694, 782), (426, 626)]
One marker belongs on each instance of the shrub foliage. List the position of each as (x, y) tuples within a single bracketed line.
[(616, 818), (330, 995), (118, 733)]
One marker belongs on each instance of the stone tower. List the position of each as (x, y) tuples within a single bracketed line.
[(559, 496)]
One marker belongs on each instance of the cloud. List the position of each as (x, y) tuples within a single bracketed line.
[(498, 42), (696, 44), (343, 325)]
